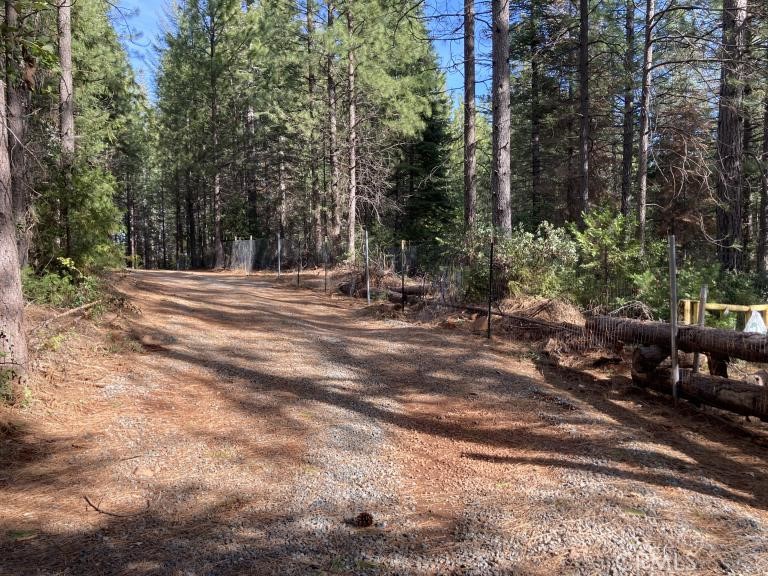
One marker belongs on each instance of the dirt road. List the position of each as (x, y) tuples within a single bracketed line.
[(234, 426)]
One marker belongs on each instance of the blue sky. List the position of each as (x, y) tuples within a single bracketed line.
[(140, 23)]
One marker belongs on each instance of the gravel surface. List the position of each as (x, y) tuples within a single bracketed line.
[(238, 426)]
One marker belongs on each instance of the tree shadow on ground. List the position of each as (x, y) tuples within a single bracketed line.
[(381, 363), (360, 350)]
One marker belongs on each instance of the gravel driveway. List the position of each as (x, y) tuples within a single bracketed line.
[(239, 426)]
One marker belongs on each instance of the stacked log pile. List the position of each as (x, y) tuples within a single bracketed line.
[(715, 389)]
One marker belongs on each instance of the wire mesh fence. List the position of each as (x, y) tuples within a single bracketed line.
[(511, 296), (589, 309)]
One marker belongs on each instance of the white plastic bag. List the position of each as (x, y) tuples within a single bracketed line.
[(755, 323)]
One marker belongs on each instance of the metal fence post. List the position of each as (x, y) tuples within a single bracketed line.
[(367, 270), (279, 254), (325, 263), (675, 372), (490, 287), (249, 266), (402, 272), (298, 267)]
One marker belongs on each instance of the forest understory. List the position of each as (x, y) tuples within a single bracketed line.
[(223, 424)]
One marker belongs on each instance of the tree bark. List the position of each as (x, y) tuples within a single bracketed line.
[(66, 112), (470, 136), (13, 343), (745, 345), (17, 104), (130, 227), (736, 396), (314, 177), (333, 143), (192, 243), (762, 241), (179, 232), (730, 136), (748, 135), (218, 244), (535, 112), (352, 143), (584, 124), (281, 187), (500, 178), (163, 235), (629, 116), (252, 210), (645, 122), (572, 213)]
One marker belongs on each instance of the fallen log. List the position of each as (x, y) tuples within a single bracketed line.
[(412, 290), (724, 343), (646, 359), (384, 294), (743, 398)]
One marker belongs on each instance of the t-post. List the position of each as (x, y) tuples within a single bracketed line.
[(675, 371), (490, 286), (298, 268), (325, 263), (367, 270), (402, 272)]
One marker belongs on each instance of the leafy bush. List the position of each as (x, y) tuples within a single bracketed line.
[(63, 287), (537, 263), (7, 375)]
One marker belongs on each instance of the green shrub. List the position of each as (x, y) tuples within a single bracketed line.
[(62, 287), (537, 263), (612, 268)]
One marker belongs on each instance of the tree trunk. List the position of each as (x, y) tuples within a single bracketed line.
[(163, 236), (192, 244), (583, 108), (282, 188), (645, 121), (470, 136), (179, 233), (13, 343), (571, 212), (748, 131), (730, 136), (352, 142), (629, 116), (218, 245), (500, 178), (66, 112), (314, 176), (130, 235), (17, 103), (252, 210), (746, 196), (762, 241), (333, 144), (535, 113)]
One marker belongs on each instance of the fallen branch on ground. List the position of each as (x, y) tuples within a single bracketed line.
[(71, 312), (92, 505)]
